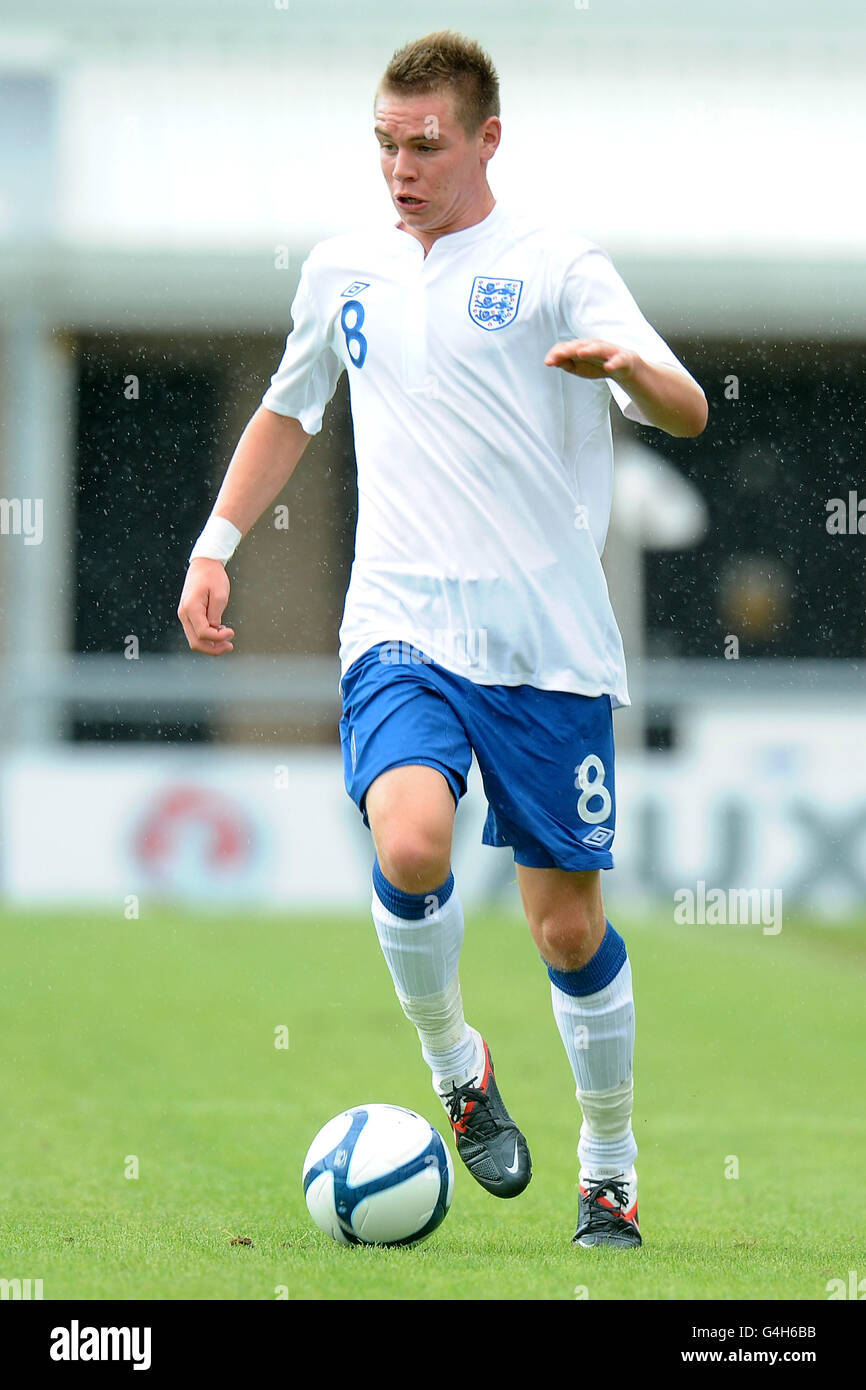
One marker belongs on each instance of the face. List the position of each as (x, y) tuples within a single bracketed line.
[(435, 172)]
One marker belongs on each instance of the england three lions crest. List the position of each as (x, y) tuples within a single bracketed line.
[(493, 303)]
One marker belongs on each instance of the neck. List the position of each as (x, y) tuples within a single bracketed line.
[(481, 208)]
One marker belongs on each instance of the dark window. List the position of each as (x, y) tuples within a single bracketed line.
[(767, 465), (143, 488)]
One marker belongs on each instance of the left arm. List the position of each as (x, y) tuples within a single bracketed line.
[(667, 397)]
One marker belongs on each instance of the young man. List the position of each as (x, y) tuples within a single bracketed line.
[(477, 616)]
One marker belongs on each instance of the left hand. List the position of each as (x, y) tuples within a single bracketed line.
[(589, 357)]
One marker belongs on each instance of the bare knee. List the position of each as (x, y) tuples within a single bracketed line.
[(567, 938), (411, 815), (565, 914), (415, 858)]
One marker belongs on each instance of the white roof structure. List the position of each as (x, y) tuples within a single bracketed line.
[(713, 150)]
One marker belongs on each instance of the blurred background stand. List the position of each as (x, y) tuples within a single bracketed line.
[(159, 191)]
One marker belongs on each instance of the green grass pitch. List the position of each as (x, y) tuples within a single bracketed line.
[(155, 1039)]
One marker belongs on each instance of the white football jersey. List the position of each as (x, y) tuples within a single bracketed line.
[(484, 477)]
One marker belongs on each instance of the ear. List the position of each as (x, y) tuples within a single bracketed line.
[(489, 136)]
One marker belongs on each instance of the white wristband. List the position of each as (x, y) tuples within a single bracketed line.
[(218, 541)]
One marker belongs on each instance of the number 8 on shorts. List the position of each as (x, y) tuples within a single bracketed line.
[(592, 790)]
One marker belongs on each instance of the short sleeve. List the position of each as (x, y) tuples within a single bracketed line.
[(307, 376), (596, 303)]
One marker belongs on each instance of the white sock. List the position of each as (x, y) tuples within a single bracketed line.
[(422, 954), (597, 1031)]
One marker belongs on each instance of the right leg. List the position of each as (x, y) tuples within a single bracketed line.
[(406, 756), (419, 922), (418, 916)]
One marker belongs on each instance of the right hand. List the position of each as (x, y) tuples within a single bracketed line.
[(202, 604)]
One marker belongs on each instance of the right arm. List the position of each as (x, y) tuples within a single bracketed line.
[(267, 455)]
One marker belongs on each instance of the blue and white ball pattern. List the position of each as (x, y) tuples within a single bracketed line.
[(378, 1175)]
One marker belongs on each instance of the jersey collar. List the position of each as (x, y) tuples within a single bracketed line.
[(455, 241)]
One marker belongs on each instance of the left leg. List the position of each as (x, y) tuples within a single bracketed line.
[(547, 760), (591, 992), (565, 914)]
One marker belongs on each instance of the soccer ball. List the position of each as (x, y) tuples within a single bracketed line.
[(378, 1175)]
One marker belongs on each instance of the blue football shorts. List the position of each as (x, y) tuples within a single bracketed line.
[(546, 756)]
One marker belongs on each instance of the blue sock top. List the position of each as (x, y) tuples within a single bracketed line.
[(599, 970), (411, 906)]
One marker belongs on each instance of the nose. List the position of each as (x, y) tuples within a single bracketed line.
[(404, 166)]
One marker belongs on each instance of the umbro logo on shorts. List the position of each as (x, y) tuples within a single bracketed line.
[(355, 288), (598, 837)]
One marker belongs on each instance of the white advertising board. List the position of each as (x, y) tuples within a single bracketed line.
[(774, 804)]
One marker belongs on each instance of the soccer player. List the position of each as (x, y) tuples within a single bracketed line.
[(482, 346)]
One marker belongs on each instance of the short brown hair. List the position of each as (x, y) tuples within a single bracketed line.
[(446, 59)]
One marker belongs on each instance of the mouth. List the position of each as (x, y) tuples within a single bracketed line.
[(407, 203)]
